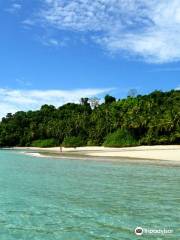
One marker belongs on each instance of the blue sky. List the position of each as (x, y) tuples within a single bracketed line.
[(55, 51)]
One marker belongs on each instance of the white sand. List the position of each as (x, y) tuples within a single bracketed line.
[(165, 152)]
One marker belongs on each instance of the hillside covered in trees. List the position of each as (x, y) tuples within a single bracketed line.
[(141, 120)]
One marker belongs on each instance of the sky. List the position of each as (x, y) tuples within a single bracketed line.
[(57, 51)]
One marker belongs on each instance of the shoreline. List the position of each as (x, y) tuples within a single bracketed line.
[(170, 153)]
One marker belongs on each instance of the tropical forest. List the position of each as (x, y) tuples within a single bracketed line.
[(136, 120)]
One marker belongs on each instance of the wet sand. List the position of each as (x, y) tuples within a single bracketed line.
[(162, 152)]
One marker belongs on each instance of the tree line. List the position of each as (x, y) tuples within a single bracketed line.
[(137, 120)]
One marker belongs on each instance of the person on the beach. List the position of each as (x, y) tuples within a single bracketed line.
[(60, 148)]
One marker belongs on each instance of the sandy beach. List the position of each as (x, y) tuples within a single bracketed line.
[(164, 152)]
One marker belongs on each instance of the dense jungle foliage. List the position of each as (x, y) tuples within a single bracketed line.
[(148, 120)]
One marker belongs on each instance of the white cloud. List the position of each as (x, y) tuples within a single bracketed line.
[(49, 41), (53, 42), (146, 28), (14, 8), (22, 82), (12, 100), (28, 22)]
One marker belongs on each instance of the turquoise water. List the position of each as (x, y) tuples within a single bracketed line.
[(50, 199)]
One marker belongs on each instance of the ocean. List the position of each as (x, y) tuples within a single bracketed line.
[(56, 199)]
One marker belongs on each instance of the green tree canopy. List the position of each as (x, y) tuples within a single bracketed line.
[(149, 119)]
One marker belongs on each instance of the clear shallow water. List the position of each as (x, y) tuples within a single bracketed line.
[(48, 199)]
